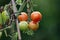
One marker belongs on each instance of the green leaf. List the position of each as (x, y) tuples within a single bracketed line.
[(29, 32), (19, 2), (0, 34), (13, 25), (15, 36)]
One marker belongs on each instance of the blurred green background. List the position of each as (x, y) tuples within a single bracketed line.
[(50, 23)]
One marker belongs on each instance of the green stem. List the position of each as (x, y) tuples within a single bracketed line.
[(5, 28), (28, 9), (22, 6), (31, 5), (5, 32)]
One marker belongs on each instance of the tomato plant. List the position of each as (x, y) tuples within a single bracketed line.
[(36, 16), (11, 18)]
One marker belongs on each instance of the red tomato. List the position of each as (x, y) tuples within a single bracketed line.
[(36, 16), (33, 26), (23, 17)]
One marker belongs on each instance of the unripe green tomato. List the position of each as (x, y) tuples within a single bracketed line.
[(5, 16), (0, 34), (23, 25)]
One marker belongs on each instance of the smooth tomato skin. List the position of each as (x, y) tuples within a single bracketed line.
[(23, 17), (33, 26), (23, 25), (23, 13), (36, 16)]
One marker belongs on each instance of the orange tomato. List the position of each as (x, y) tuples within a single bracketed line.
[(23, 16), (36, 16), (33, 26)]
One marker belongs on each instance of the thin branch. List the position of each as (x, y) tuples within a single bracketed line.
[(19, 34), (28, 8), (15, 10)]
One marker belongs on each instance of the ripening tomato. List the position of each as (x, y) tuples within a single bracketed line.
[(36, 16), (23, 25), (23, 16), (33, 26)]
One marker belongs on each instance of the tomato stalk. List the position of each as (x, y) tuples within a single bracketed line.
[(28, 9), (15, 10)]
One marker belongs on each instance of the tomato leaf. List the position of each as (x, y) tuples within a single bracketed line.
[(19, 2), (29, 32), (15, 36)]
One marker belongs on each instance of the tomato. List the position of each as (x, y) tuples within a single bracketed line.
[(23, 17), (5, 16), (33, 26), (36, 16), (23, 25)]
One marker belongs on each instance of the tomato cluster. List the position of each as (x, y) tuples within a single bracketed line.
[(33, 25)]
